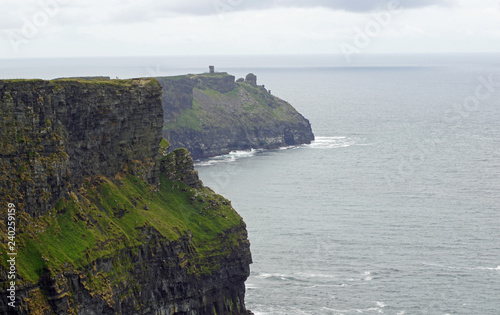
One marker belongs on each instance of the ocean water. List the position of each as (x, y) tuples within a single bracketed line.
[(394, 209)]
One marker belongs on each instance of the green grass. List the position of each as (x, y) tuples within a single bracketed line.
[(233, 93), (164, 143), (188, 119), (22, 80), (216, 95), (211, 75), (164, 146), (101, 81), (254, 92), (245, 105), (113, 215), (211, 93), (175, 78)]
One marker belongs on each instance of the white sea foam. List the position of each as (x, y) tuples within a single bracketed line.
[(331, 143), (318, 143), (486, 268), (315, 275), (342, 285), (273, 276), (251, 286), (461, 268), (242, 153), (378, 309), (291, 147), (368, 276), (228, 158)]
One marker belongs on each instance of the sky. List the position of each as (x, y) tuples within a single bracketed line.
[(96, 28)]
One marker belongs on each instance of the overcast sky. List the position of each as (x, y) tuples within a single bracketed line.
[(66, 28)]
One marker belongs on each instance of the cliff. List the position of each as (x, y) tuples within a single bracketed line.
[(55, 134), (106, 222), (212, 114)]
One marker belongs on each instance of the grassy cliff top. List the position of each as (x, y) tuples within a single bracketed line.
[(97, 80), (245, 104), (126, 82), (216, 75), (210, 75)]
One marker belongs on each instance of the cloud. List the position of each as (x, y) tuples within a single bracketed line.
[(223, 6), (138, 11)]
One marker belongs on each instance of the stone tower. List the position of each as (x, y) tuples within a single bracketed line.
[(251, 79), (211, 69)]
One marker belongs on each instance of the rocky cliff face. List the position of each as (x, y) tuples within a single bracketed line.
[(211, 115), (55, 134), (106, 223)]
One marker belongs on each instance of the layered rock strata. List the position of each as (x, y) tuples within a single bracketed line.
[(106, 221)]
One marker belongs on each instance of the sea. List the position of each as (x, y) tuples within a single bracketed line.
[(393, 209)]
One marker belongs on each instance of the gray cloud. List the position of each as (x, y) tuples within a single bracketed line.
[(223, 6), (80, 12)]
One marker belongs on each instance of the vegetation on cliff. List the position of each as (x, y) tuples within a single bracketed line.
[(109, 215)]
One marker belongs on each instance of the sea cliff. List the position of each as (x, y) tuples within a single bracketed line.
[(106, 221), (212, 114)]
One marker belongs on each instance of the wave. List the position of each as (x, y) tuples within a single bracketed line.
[(276, 276), (368, 276), (378, 309), (318, 143), (381, 304), (228, 158), (290, 147), (283, 277), (250, 286), (332, 143), (486, 268), (264, 275), (365, 276), (461, 268), (315, 275)]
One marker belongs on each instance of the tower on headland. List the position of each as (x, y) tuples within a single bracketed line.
[(211, 69), (251, 79)]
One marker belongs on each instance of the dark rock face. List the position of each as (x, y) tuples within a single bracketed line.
[(179, 167), (221, 83), (213, 115), (57, 133), (177, 96)]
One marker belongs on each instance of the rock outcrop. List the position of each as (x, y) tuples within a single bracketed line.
[(106, 221), (251, 79), (179, 166), (212, 114)]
